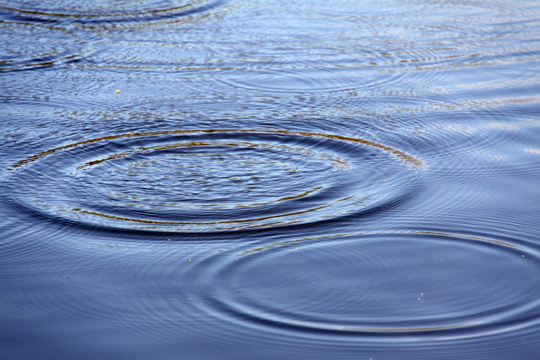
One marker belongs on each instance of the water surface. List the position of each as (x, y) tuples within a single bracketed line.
[(270, 180)]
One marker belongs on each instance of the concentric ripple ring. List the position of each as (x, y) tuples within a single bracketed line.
[(26, 47), (106, 12), (378, 285), (213, 179)]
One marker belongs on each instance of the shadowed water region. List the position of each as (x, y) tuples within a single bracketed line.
[(270, 179)]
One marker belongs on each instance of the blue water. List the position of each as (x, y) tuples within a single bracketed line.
[(270, 180)]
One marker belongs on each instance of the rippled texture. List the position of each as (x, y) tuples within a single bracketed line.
[(270, 180), (214, 179), (104, 11), (435, 277)]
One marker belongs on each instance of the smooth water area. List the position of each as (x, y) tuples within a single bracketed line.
[(234, 179)]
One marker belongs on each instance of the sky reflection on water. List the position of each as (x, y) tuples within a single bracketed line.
[(270, 180)]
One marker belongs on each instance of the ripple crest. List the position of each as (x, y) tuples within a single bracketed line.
[(213, 179)]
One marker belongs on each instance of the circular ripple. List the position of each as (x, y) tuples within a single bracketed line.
[(28, 47), (415, 285), (105, 10), (216, 179)]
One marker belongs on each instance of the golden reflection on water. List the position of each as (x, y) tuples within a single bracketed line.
[(339, 163), (143, 221), (403, 156), (235, 206), (104, 15), (241, 222)]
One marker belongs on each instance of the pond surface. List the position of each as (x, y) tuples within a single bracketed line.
[(215, 179)]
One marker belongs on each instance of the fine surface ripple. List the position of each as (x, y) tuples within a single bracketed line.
[(104, 11), (27, 47), (214, 179), (278, 180), (412, 285)]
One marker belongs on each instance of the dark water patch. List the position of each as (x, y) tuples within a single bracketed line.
[(127, 295), (411, 286), (215, 179), (104, 12), (312, 295)]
